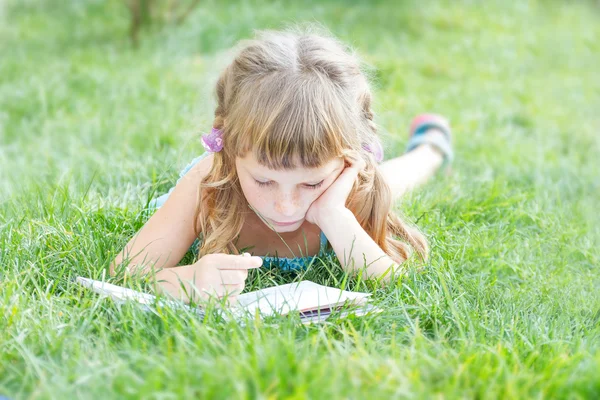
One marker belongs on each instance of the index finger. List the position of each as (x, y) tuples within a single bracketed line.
[(355, 161), (231, 261), (347, 178)]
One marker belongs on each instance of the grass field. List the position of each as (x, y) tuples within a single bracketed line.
[(507, 307)]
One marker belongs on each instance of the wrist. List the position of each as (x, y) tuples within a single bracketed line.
[(329, 219), (168, 281), (163, 279)]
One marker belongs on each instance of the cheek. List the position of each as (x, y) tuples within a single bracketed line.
[(324, 188), (314, 194), (254, 196)]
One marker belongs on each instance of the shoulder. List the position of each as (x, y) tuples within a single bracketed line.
[(199, 166), (188, 183), (170, 231)]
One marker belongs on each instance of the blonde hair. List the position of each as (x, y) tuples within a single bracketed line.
[(296, 95)]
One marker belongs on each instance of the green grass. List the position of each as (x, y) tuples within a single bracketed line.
[(508, 306)]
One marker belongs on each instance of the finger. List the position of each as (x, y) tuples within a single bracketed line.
[(355, 161), (231, 294), (232, 300), (233, 289), (213, 293), (243, 274), (230, 261), (223, 291), (232, 277), (345, 181)]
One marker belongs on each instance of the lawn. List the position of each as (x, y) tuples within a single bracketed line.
[(508, 306)]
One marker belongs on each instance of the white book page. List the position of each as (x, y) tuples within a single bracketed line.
[(120, 294), (302, 296), (116, 292)]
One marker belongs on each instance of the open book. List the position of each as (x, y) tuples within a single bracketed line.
[(313, 302)]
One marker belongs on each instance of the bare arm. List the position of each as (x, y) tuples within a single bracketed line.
[(167, 235), (354, 247)]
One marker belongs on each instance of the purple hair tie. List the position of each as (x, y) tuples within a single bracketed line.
[(213, 141), (376, 149)]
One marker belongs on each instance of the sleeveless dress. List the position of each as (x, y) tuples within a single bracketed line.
[(283, 263)]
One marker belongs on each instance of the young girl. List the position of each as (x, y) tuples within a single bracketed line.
[(291, 171)]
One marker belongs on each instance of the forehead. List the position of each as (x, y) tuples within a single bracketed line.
[(251, 164)]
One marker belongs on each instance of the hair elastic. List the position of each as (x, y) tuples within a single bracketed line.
[(375, 148), (213, 141)]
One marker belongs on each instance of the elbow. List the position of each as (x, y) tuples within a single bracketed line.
[(116, 265), (112, 267), (386, 273)]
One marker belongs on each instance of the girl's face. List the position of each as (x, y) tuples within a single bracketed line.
[(282, 197)]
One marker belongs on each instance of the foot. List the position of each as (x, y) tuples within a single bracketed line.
[(433, 131), (435, 135)]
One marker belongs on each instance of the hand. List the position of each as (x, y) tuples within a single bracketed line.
[(217, 275), (334, 198)]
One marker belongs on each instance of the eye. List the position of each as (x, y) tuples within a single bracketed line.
[(269, 183), (315, 186), (263, 184)]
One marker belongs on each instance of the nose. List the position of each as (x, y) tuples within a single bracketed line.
[(287, 204)]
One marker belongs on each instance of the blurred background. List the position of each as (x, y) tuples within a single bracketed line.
[(118, 91)]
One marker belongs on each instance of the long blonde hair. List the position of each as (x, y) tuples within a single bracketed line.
[(296, 95)]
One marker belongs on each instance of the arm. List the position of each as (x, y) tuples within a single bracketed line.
[(353, 246), (168, 234)]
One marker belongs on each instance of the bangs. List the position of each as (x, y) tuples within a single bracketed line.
[(289, 123)]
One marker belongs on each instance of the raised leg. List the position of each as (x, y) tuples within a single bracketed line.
[(412, 169)]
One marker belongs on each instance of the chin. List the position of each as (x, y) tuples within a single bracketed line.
[(284, 229), (288, 228)]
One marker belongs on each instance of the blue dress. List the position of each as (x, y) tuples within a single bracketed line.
[(284, 263)]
